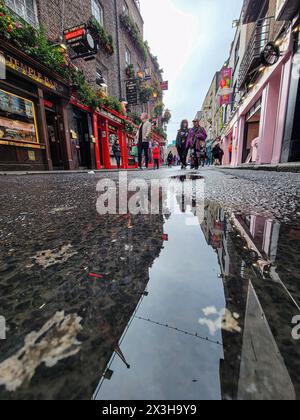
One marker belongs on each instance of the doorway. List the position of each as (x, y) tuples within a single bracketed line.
[(84, 146), (100, 146), (56, 149), (295, 137), (252, 129)]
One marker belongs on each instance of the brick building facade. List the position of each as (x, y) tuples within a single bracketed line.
[(57, 15), (44, 123)]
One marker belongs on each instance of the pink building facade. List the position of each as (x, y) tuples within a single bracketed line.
[(257, 130), (271, 96)]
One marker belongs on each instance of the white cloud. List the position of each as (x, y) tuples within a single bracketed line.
[(171, 33), (192, 41)]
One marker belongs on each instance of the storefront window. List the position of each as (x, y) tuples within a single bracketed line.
[(17, 119)]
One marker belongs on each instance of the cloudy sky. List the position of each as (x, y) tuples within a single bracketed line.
[(192, 40)]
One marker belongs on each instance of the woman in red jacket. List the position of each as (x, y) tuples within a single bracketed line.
[(156, 156)]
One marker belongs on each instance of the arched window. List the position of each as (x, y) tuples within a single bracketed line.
[(26, 9)]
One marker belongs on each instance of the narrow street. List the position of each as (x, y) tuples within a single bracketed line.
[(154, 306)]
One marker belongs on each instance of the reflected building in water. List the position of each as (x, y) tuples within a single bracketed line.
[(262, 286)]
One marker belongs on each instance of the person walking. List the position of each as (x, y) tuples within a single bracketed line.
[(116, 149), (196, 142), (170, 159), (181, 143), (202, 156), (209, 156), (135, 153), (156, 156), (143, 138), (218, 154), (230, 148)]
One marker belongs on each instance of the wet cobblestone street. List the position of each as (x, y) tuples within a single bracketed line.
[(147, 306)]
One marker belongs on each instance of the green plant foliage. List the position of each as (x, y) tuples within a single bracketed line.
[(104, 40), (166, 117), (158, 110), (156, 64), (157, 88), (130, 71), (35, 44), (111, 103), (130, 129), (160, 132), (146, 92), (135, 118), (133, 30)]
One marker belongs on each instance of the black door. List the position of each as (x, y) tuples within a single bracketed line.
[(54, 140), (100, 146), (84, 151), (295, 141)]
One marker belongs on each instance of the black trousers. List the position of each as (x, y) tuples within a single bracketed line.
[(143, 147), (182, 152), (156, 163)]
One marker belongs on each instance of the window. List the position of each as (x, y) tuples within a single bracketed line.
[(98, 12), (237, 51), (234, 97), (125, 9), (127, 56), (100, 80), (26, 9)]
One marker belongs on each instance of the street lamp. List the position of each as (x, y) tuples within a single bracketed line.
[(140, 74), (155, 95)]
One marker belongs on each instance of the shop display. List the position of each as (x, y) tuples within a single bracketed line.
[(17, 119)]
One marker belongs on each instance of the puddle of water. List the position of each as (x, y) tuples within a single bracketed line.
[(173, 310), (200, 296)]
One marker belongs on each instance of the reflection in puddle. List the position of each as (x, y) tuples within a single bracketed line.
[(55, 341), (224, 320), (50, 257), (175, 310)]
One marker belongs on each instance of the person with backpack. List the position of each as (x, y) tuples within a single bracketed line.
[(181, 143), (196, 142)]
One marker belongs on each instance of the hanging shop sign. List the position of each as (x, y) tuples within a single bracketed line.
[(148, 75), (81, 41), (132, 92), (48, 104), (225, 88), (28, 71), (112, 128), (270, 55), (164, 86)]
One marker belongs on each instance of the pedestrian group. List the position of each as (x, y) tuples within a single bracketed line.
[(190, 144)]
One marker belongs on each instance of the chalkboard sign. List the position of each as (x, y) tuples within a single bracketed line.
[(132, 92)]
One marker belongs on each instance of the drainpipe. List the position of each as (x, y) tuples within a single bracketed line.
[(118, 48)]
